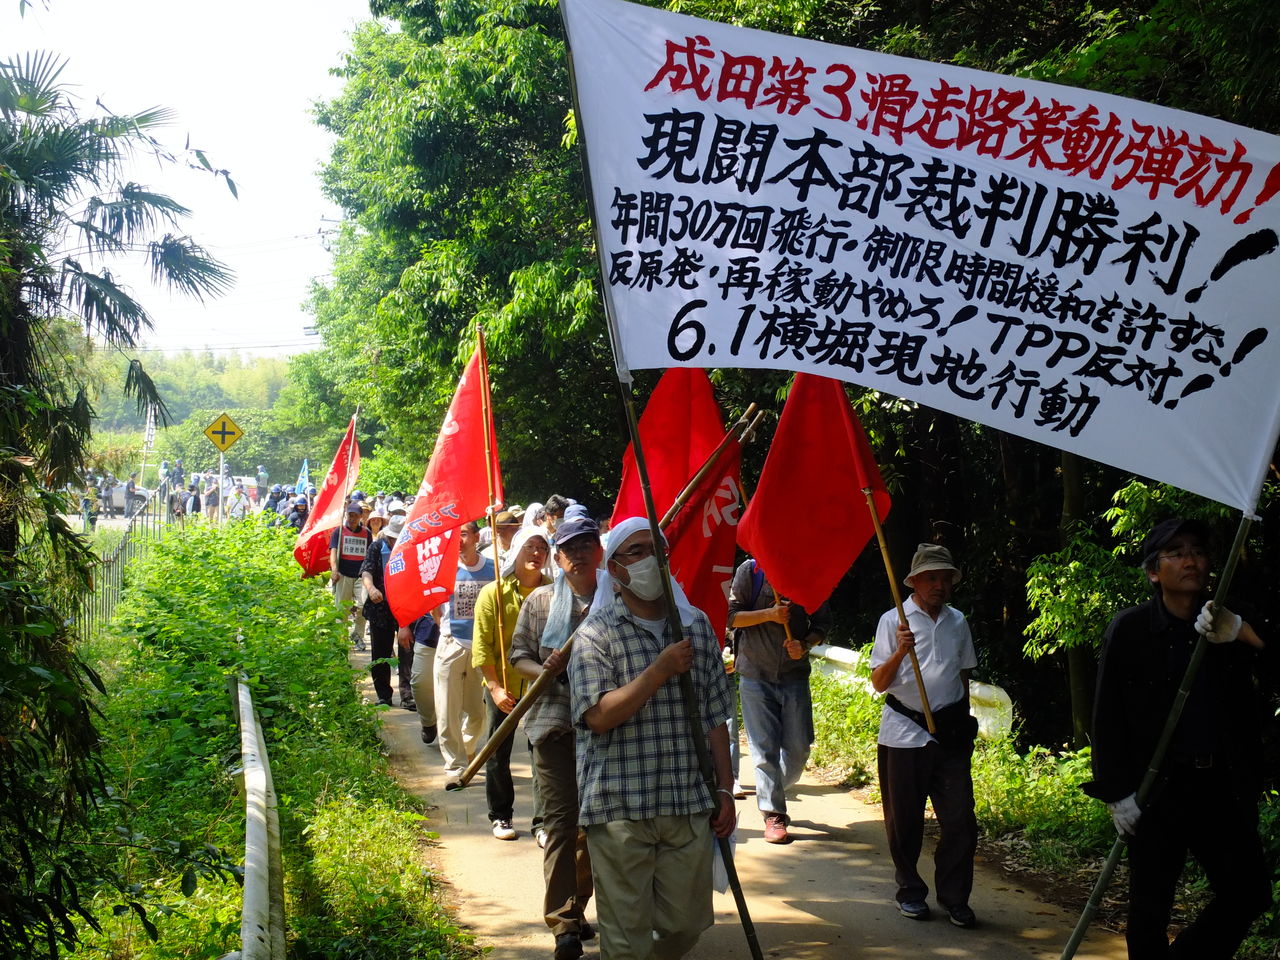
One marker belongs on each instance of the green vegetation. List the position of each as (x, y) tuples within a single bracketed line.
[(203, 606), (71, 227)]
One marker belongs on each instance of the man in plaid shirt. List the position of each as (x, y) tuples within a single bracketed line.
[(547, 618), (648, 813)]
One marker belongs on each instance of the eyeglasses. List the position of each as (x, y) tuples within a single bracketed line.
[(636, 553), (1199, 553)]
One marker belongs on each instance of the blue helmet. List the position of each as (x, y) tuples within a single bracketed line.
[(276, 488)]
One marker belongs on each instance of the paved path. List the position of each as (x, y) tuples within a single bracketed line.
[(827, 896)]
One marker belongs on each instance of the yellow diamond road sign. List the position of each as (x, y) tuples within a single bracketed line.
[(223, 432)]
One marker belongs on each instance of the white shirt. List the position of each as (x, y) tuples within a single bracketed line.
[(944, 647)]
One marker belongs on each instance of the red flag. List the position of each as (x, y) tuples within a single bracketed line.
[(703, 537), (809, 520), (455, 490), (680, 429), (311, 549)]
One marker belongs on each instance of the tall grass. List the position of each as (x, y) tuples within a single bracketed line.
[(204, 605)]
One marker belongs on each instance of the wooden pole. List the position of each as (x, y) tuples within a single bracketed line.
[(737, 430), (486, 410), (897, 602)]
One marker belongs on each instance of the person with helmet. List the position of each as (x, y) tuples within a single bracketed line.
[(297, 517)]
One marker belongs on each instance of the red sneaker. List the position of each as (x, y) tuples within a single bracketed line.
[(775, 828)]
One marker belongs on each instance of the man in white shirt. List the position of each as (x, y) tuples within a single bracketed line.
[(459, 699), (915, 766)]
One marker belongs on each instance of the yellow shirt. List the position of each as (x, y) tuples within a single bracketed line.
[(486, 647)]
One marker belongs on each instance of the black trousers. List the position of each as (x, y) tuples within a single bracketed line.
[(499, 788), (1197, 812), (908, 777), (382, 643)]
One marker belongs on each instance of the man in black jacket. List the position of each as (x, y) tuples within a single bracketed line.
[(1206, 800)]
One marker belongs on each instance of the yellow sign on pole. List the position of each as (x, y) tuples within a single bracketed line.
[(223, 432)]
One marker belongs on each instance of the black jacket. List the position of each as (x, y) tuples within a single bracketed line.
[(1144, 656)]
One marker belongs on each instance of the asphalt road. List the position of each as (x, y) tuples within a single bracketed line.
[(826, 895)]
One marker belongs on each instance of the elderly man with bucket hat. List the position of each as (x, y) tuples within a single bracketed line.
[(914, 764)]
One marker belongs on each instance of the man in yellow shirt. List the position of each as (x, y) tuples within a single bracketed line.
[(521, 574)]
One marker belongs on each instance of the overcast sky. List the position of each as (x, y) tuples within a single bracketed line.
[(242, 78)]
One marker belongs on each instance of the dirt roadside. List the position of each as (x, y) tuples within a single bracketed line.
[(826, 896)]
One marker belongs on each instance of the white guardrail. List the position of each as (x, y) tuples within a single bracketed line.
[(262, 920), (989, 703)]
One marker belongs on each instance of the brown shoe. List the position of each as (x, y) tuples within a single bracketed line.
[(775, 828)]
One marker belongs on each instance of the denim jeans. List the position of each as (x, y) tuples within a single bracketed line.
[(779, 722)]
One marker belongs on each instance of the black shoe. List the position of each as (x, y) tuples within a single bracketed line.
[(568, 946), (586, 931), (384, 703), (963, 917), (408, 705), (429, 734)]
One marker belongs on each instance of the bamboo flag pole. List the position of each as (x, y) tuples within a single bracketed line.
[(737, 431), (486, 410), (897, 601), (346, 494), (1162, 747), (512, 719)]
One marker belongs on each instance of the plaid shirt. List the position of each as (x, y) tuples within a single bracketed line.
[(550, 713), (645, 767)]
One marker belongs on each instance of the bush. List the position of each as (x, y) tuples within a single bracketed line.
[(206, 605), (846, 720)]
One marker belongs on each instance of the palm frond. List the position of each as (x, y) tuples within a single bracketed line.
[(184, 265), (30, 85), (133, 211), (103, 305), (139, 385)]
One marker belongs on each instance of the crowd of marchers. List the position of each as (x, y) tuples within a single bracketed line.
[(619, 804)]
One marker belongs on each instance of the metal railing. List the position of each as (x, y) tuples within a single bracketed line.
[(145, 526), (262, 917)]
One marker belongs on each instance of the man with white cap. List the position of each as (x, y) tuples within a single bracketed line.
[(648, 813), (490, 650), (915, 766), (547, 619)]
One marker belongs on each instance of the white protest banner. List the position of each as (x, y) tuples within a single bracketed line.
[(1092, 272)]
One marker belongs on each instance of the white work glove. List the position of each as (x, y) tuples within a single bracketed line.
[(1228, 626), (1125, 814)]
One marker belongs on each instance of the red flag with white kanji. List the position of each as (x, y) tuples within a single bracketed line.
[(679, 430), (455, 490)]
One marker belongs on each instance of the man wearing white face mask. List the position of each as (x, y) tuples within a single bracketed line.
[(647, 812)]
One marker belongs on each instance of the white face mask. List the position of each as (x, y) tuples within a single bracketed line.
[(646, 578)]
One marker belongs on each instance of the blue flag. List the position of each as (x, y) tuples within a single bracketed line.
[(304, 478)]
